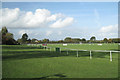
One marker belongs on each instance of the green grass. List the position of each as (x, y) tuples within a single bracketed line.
[(87, 46), (22, 61), (71, 67)]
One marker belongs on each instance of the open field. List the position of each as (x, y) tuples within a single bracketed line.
[(22, 61)]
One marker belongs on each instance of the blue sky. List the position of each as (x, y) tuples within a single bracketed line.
[(85, 19)]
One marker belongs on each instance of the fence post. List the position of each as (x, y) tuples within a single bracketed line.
[(110, 56), (90, 55), (77, 53)]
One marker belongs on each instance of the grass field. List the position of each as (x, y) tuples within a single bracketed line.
[(22, 61)]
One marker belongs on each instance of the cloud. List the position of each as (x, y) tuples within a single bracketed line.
[(48, 33), (9, 16), (15, 18), (108, 31), (62, 23), (54, 17)]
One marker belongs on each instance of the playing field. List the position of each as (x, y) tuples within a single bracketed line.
[(23, 61)]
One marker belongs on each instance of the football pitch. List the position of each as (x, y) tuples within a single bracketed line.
[(27, 61)]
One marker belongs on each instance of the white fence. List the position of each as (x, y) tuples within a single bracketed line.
[(110, 51), (77, 54)]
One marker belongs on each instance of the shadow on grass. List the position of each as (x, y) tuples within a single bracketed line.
[(47, 54), (55, 75), (20, 47), (60, 79), (31, 54)]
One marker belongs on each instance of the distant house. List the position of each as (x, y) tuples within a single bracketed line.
[(36, 41)]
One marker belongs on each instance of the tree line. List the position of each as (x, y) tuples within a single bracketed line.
[(8, 38)]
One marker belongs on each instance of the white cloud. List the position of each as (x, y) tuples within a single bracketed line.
[(54, 17), (48, 33), (62, 23), (15, 18), (9, 16), (109, 29)]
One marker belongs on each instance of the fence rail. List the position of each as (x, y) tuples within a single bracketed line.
[(110, 51), (90, 51)]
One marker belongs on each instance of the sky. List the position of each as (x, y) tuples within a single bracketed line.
[(58, 20)]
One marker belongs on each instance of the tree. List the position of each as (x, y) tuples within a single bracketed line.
[(29, 41), (60, 41), (19, 40), (11, 41), (92, 38), (33, 40), (105, 40), (4, 30), (45, 40), (9, 35), (68, 39), (83, 40), (3, 34), (110, 40), (76, 40), (24, 38), (116, 40), (7, 38)]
